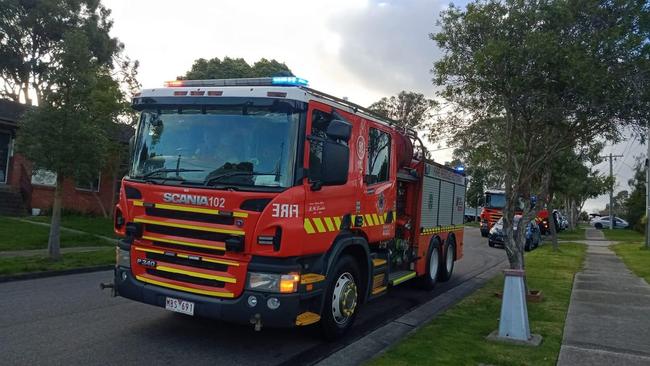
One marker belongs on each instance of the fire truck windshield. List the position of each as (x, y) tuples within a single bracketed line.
[(245, 145), (495, 200)]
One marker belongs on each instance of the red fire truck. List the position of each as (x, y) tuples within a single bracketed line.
[(264, 201), (495, 201)]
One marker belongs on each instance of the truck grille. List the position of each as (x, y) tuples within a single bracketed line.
[(190, 216), (187, 233), (186, 278), (187, 262)]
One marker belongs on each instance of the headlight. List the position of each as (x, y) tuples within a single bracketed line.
[(273, 282), (122, 257)]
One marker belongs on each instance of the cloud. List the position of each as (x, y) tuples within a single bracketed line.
[(386, 44)]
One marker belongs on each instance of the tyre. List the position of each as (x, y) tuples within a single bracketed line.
[(598, 226), (434, 259), (447, 267), (491, 243), (341, 299), (484, 234)]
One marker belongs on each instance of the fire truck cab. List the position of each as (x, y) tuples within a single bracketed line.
[(264, 201)]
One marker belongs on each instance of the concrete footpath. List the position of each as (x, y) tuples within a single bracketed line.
[(608, 322)]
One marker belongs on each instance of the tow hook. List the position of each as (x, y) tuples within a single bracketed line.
[(104, 286), (256, 320)]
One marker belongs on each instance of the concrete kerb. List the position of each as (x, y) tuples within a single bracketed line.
[(378, 341)]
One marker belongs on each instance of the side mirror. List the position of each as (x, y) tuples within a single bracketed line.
[(336, 161), (339, 130)]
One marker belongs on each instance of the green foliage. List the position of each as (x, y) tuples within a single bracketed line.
[(235, 68), (529, 80), (33, 32), (466, 325), (68, 133), (409, 109)]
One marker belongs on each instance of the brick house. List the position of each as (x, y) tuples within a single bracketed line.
[(22, 188)]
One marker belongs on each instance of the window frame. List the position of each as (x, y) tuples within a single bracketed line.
[(367, 165), (99, 183)]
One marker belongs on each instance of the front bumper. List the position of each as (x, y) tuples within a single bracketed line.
[(231, 310)]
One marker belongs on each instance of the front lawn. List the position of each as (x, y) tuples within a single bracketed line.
[(627, 235), (636, 257), (18, 265), (91, 224), (472, 224), (575, 234), (457, 337), (17, 235)]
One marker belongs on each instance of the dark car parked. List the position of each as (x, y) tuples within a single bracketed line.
[(533, 235)]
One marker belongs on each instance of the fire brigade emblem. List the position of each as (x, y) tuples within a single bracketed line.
[(381, 202), (361, 147)]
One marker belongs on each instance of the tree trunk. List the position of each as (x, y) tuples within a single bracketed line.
[(54, 240), (551, 224)]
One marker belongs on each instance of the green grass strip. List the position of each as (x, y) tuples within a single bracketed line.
[(457, 337)]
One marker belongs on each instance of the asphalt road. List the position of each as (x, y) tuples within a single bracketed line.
[(68, 320)]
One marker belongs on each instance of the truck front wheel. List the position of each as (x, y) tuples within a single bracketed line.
[(341, 299)]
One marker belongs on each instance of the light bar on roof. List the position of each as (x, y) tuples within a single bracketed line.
[(289, 80), (270, 81)]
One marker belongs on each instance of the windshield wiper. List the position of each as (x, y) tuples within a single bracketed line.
[(217, 178), (170, 170)]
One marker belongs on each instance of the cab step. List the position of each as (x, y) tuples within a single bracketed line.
[(395, 278)]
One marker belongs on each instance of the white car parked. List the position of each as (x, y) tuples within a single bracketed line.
[(603, 222)]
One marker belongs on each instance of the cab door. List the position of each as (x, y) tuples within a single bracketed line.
[(325, 205)]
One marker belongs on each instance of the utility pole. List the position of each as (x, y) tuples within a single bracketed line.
[(647, 188), (611, 191)]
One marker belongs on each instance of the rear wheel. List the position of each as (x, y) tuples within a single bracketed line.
[(434, 258), (450, 255), (599, 226), (342, 298)]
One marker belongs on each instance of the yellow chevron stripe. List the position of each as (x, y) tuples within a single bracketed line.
[(193, 227), (187, 289), (319, 224), (375, 219), (382, 219), (329, 223), (308, 227), (368, 218), (337, 222)]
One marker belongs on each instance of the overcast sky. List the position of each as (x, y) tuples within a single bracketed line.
[(360, 49)]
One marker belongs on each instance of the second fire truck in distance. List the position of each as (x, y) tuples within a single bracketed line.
[(495, 201), (264, 201)]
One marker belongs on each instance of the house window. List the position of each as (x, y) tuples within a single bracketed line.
[(44, 177), (378, 164), (91, 185)]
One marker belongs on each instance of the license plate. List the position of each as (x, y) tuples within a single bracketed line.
[(179, 306)]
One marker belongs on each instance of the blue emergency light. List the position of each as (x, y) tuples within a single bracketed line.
[(289, 81), (460, 169)]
